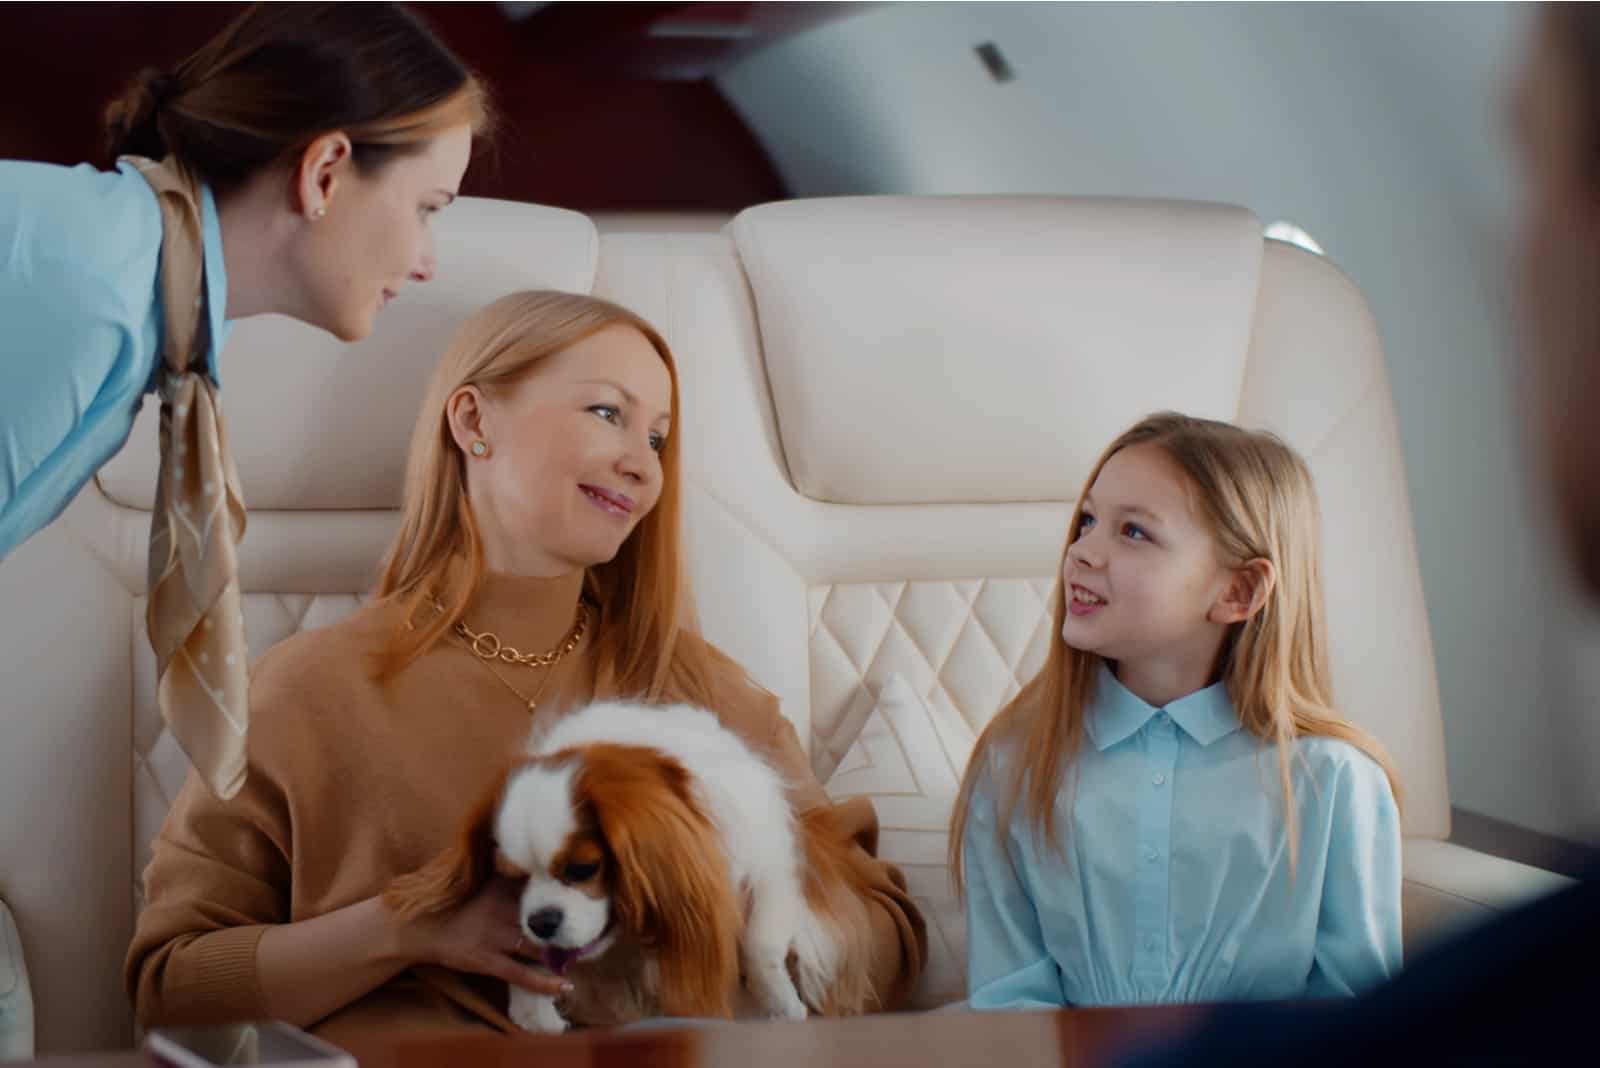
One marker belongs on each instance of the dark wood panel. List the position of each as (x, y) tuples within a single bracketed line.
[(1073, 1038), (603, 107)]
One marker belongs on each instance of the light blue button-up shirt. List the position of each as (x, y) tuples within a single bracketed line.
[(80, 327), (1173, 884)]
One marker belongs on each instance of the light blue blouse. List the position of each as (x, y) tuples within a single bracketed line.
[(1173, 883), (80, 327)]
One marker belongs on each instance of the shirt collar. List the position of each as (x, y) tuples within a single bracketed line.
[(1116, 714), (216, 277)]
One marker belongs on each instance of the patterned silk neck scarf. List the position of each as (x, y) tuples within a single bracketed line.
[(194, 616)]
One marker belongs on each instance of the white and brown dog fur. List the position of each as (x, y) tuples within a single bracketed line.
[(662, 858)]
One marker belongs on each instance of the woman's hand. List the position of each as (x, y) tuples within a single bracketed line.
[(483, 936)]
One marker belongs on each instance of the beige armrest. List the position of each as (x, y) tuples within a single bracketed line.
[(1448, 887)]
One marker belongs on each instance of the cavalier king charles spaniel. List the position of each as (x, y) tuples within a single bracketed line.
[(665, 875)]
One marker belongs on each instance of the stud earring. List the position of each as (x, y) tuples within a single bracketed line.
[(480, 449), (319, 213)]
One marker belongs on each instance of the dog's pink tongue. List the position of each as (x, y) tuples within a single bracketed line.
[(559, 960)]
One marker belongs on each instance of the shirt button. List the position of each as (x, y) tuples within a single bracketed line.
[(1159, 779), (1151, 942), (1150, 854)]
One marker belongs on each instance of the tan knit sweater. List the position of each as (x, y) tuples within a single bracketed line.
[(352, 783)]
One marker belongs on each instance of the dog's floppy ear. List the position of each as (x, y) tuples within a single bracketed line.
[(672, 886), (450, 878)]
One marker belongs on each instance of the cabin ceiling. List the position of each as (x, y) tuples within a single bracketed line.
[(604, 107)]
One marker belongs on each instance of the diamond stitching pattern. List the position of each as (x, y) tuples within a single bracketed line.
[(969, 644), (159, 765), (908, 760)]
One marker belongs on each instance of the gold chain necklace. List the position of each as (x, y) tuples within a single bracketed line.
[(486, 645)]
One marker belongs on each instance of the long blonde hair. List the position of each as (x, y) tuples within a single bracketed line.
[(641, 593), (1257, 494)]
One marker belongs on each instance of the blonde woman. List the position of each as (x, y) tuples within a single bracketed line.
[(537, 566), (1122, 834)]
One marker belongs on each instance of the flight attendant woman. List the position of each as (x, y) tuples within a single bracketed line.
[(289, 166)]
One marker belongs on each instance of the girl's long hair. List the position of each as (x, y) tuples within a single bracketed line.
[(1257, 494)]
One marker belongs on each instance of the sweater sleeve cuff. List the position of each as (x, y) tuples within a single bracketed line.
[(222, 975)]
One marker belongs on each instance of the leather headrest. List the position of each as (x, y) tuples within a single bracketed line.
[(314, 423), (925, 350)]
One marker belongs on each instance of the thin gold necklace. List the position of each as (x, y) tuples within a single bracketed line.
[(531, 702), (487, 647)]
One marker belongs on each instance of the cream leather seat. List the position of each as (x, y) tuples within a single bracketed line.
[(888, 405)]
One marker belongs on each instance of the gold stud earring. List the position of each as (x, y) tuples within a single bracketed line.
[(480, 449)]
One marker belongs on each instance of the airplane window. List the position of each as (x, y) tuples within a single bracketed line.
[(1288, 231)]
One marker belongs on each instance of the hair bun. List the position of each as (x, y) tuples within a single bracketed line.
[(161, 87), (132, 121)]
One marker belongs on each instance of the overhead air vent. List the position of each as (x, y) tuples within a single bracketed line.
[(994, 62)]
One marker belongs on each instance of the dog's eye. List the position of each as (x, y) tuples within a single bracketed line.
[(579, 873)]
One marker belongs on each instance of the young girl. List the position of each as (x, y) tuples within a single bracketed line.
[(1121, 834)]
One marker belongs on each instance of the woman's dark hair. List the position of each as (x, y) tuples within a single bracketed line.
[(1579, 25), (281, 75)]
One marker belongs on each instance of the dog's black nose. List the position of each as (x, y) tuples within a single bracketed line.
[(545, 922)]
